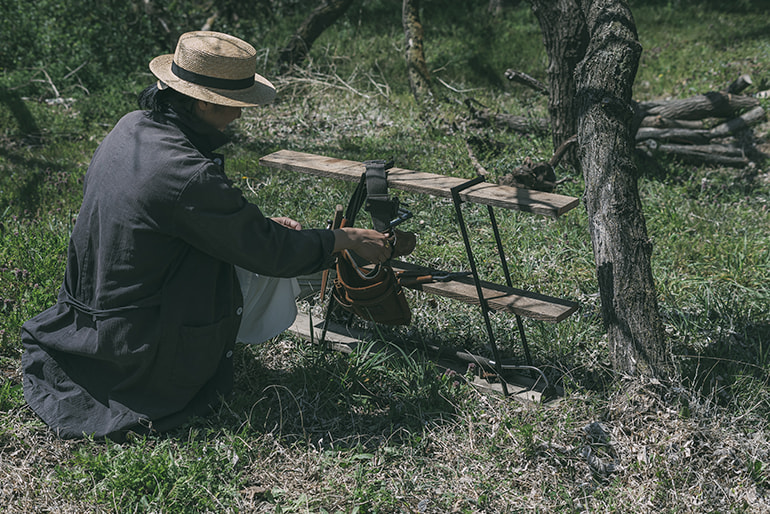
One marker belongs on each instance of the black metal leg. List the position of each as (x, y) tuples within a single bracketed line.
[(508, 281), (482, 301)]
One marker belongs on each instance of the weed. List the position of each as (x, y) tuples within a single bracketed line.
[(11, 396)]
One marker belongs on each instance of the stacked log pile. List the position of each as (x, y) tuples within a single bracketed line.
[(714, 128)]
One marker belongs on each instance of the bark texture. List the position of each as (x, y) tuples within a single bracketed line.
[(565, 37), (327, 12), (419, 78), (622, 250), (715, 104)]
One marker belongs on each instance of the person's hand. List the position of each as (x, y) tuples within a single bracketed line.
[(371, 245), (287, 222)]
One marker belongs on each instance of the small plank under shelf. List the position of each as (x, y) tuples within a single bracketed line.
[(347, 340), (519, 199)]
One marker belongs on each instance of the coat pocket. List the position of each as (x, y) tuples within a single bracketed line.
[(199, 352)]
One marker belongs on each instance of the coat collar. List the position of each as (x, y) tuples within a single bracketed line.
[(202, 135)]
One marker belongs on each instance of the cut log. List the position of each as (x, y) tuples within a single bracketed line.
[(661, 122), (739, 84), (735, 125), (711, 105), (724, 155), (702, 137), (678, 135)]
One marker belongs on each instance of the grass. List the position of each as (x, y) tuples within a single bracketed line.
[(314, 431)]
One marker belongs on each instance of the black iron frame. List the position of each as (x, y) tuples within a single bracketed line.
[(497, 364)]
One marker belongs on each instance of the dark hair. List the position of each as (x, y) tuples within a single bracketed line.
[(161, 100)]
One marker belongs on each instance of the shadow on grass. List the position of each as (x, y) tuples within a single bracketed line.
[(26, 183), (20, 112), (734, 367), (36, 186), (329, 398)]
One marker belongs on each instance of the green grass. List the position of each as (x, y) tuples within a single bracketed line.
[(188, 476), (385, 431)]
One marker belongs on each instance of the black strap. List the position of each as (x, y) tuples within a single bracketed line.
[(356, 201), (372, 190), (382, 208)]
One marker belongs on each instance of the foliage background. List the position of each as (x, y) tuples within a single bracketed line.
[(308, 431)]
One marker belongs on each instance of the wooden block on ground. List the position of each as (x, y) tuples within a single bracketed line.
[(347, 340)]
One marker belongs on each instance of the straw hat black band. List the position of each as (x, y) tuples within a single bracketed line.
[(216, 68), (206, 81)]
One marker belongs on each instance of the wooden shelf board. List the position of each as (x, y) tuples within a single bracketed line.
[(507, 197)]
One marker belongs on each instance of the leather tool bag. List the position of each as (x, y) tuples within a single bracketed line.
[(373, 293)]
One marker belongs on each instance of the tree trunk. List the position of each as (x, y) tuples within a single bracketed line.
[(565, 37), (622, 250), (419, 78), (319, 20)]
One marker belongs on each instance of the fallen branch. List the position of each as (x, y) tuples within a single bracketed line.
[(298, 47), (540, 175), (521, 124), (526, 80), (480, 170)]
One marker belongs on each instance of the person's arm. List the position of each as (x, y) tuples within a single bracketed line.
[(369, 244)]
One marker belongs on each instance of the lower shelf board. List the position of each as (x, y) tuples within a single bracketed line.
[(499, 298), (347, 339)]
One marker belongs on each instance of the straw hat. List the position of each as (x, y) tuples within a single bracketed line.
[(216, 68)]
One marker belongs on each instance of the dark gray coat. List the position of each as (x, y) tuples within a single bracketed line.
[(145, 323)]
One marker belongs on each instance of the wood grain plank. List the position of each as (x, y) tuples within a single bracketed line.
[(519, 199), (499, 298)]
